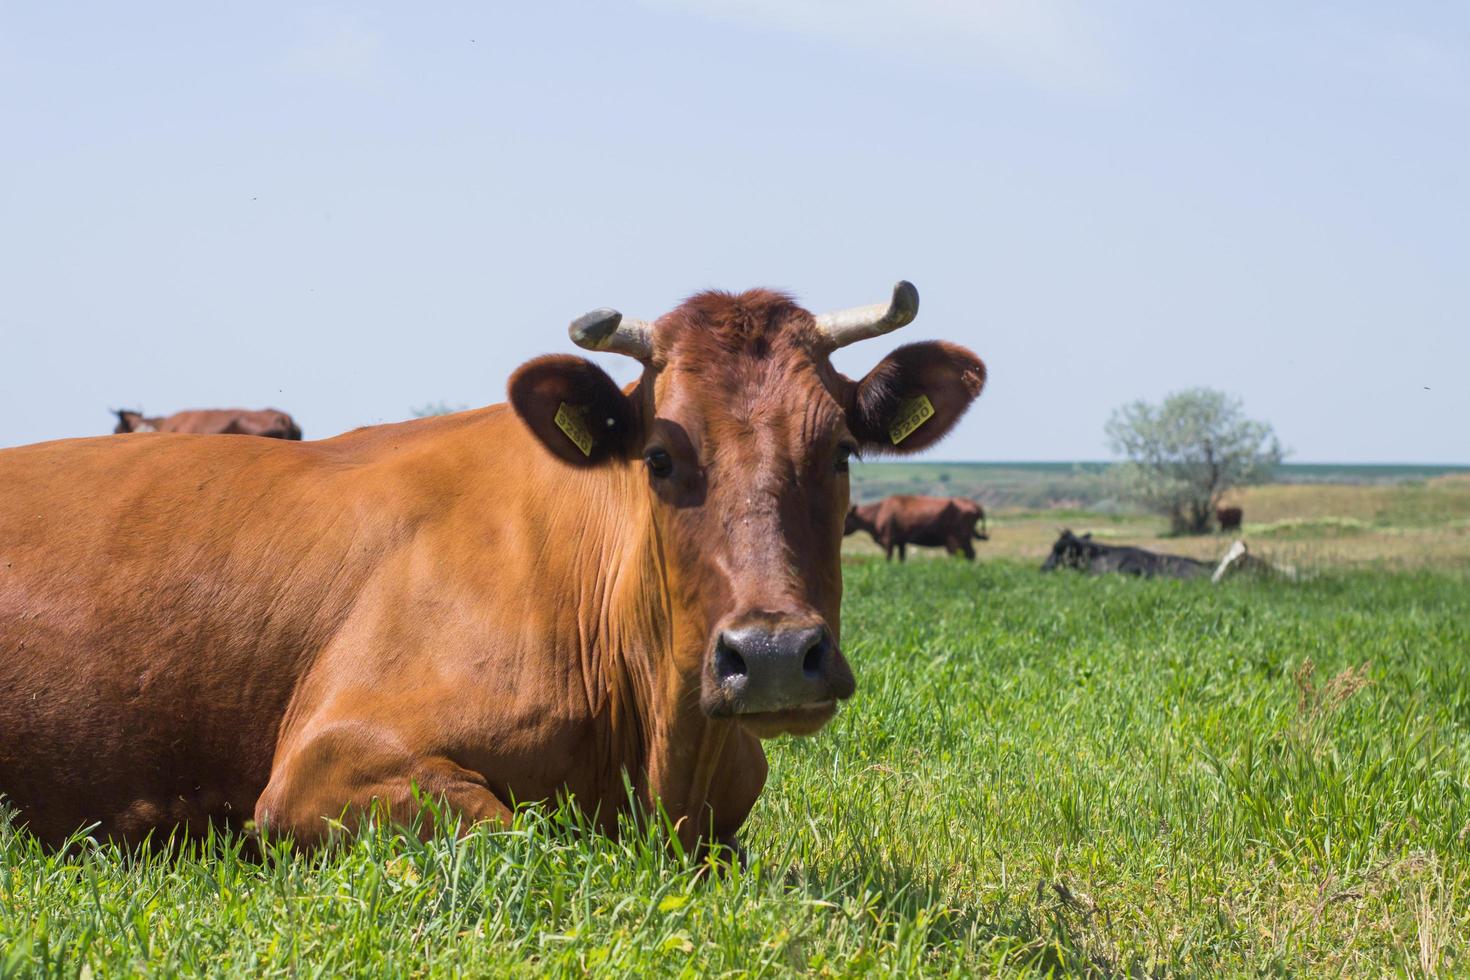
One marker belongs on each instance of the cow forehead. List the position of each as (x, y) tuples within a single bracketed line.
[(789, 395), (731, 365), (714, 325)]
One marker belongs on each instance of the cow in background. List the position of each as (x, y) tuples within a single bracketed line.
[(271, 423), (1084, 554), (931, 522), (1229, 518)]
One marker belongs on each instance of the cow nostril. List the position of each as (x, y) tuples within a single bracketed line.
[(728, 662), (815, 658)]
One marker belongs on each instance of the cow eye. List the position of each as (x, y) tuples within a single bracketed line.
[(660, 463), (845, 453)]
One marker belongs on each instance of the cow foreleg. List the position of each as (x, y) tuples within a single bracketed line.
[(959, 545), (345, 774)]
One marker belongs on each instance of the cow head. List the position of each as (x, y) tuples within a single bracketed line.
[(859, 519), (738, 437), (1070, 551), (130, 421), (281, 426)]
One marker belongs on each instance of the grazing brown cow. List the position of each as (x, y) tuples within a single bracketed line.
[(504, 604), (1229, 518), (933, 522), (269, 422)]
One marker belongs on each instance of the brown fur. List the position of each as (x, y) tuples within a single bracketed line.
[(935, 522), (198, 629), (1229, 518)]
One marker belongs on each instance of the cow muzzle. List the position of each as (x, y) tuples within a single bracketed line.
[(776, 679)]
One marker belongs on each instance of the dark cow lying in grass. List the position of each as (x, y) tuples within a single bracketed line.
[(1085, 554)]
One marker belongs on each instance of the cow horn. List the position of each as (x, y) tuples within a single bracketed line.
[(845, 327), (608, 331)]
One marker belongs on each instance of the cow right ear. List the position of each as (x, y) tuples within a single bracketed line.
[(914, 396), (573, 409)]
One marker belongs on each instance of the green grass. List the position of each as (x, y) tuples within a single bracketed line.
[(1040, 773)]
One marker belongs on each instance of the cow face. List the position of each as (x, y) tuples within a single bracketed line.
[(737, 439), (864, 518), (281, 426), (130, 421), (1070, 551)]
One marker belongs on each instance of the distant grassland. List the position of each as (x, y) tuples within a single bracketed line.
[(1036, 485), (1039, 774), (1085, 484), (1392, 516), (1412, 503)]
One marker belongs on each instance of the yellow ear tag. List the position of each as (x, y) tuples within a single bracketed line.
[(569, 420), (911, 414)]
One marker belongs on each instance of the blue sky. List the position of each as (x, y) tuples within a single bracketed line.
[(346, 211)]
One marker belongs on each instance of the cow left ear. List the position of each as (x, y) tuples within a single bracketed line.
[(914, 396), (573, 409)]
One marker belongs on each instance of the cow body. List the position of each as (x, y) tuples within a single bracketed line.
[(930, 522), (475, 607), (1229, 518), (270, 423), (324, 601), (1084, 554)]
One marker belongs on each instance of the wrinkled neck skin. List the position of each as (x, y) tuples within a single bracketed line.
[(706, 773)]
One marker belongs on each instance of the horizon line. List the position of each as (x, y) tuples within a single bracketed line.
[(1110, 462)]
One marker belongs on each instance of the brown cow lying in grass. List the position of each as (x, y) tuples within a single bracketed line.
[(268, 422), (586, 586)]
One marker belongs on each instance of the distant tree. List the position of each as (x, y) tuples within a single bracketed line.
[(1184, 454), (435, 408)]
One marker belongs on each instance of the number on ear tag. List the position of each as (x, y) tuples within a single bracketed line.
[(912, 413), (569, 420)]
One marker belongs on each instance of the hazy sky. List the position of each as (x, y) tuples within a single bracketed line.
[(346, 211)]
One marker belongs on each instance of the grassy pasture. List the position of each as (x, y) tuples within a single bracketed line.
[(1049, 486), (1386, 519), (1038, 774)]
